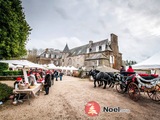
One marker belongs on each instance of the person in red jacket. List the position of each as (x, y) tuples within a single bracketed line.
[(130, 69)]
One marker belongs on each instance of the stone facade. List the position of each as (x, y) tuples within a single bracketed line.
[(104, 52), (50, 56)]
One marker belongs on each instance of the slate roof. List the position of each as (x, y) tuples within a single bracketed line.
[(97, 56), (83, 49), (52, 52), (79, 50), (66, 49)]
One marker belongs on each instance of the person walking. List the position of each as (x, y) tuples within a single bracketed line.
[(60, 75), (56, 74), (52, 77), (47, 83)]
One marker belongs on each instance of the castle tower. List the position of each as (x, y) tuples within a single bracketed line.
[(114, 43), (65, 54), (66, 49), (115, 48)]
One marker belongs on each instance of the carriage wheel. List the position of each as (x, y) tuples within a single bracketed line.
[(155, 94), (133, 91), (120, 88)]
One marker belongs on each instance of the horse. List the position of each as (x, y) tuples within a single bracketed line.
[(93, 73), (115, 78), (100, 77)]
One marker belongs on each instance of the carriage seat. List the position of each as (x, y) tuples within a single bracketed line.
[(125, 74), (147, 77)]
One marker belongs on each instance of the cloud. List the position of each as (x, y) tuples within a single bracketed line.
[(61, 12), (56, 43), (57, 22)]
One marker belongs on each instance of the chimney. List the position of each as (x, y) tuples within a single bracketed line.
[(46, 50), (114, 43), (90, 43)]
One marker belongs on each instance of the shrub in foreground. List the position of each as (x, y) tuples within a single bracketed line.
[(5, 91)]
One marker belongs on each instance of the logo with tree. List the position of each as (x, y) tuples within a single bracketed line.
[(92, 108)]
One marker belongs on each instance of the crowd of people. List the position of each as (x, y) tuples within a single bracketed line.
[(48, 77)]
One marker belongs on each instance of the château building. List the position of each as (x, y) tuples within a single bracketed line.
[(104, 52)]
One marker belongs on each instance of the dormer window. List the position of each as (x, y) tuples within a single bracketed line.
[(100, 48), (50, 55), (90, 49), (46, 55), (106, 46)]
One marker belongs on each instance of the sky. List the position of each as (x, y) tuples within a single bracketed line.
[(75, 22)]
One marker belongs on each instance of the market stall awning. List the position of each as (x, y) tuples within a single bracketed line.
[(24, 63), (151, 63)]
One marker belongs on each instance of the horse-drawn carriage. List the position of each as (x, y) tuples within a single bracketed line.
[(137, 83), (130, 82)]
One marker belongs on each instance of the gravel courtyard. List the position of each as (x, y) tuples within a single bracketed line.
[(67, 100)]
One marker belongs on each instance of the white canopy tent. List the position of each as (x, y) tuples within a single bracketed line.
[(12, 66), (73, 68), (25, 64), (151, 63), (51, 66)]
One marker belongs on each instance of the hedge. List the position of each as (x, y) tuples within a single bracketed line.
[(5, 91), (3, 66), (10, 73)]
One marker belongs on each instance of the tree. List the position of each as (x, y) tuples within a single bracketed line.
[(32, 55), (130, 62), (14, 30)]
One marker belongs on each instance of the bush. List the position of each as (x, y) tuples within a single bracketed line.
[(10, 73), (5, 91), (3, 66)]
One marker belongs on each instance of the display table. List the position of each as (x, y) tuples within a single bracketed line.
[(32, 91)]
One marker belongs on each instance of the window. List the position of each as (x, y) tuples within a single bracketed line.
[(106, 46), (90, 49), (56, 62), (111, 59), (55, 56), (70, 61), (100, 62), (100, 48), (47, 56)]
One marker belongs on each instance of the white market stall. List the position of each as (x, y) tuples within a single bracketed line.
[(25, 64), (151, 63), (32, 90), (65, 69), (51, 66)]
